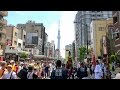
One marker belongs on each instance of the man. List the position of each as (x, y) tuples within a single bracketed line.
[(81, 72), (9, 74), (31, 74), (22, 74), (98, 71), (3, 68), (59, 72), (12, 62)]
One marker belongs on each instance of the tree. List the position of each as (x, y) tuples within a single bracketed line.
[(113, 58), (82, 53), (23, 55)]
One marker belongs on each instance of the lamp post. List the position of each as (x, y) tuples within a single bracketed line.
[(86, 31)]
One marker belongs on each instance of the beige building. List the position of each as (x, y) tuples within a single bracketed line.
[(12, 36), (98, 30), (34, 33), (68, 48), (3, 23)]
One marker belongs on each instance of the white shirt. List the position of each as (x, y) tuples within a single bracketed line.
[(98, 72), (8, 75)]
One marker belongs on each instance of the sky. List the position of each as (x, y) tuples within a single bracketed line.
[(50, 20)]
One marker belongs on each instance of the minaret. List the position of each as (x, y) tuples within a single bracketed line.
[(58, 37)]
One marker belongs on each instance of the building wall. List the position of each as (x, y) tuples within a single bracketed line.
[(19, 41), (67, 49), (3, 31), (12, 34), (99, 29), (116, 31), (85, 17), (15, 37), (32, 27)]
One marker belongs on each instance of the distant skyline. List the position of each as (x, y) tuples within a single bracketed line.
[(50, 21)]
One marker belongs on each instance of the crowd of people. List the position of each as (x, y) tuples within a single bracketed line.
[(56, 70)]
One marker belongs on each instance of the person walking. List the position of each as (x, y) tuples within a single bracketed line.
[(31, 74), (98, 71), (59, 72), (81, 72), (22, 74)]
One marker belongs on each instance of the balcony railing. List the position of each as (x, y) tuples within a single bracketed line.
[(3, 22), (4, 13)]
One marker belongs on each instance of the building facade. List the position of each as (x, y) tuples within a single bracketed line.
[(116, 31), (68, 48), (73, 50), (99, 30), (12, 36), (34, 33), (3, 23), (83, 18), (21, 39), (51, 49)]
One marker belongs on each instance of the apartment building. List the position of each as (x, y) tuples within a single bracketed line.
[(12, 36), (21, 39), (3, 23), (83, 18), (116, 31), (99, 30), (34, 33)]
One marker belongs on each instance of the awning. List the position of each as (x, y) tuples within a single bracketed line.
[(23, 52)]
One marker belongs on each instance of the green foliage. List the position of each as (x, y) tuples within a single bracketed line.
[(113, 58), (82, 52), (23, 55)]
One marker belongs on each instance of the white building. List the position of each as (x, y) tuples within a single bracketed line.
[(19, 44), (50, 49)]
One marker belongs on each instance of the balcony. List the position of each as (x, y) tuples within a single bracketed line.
[(3, 22), (4, 13)]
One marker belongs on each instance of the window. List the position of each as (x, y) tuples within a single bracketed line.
[(0, 35), (19, 45), (101, 28), (116, 35), (1, 46), (24, 36), (99, 15), (115, 19), (23, 43), (15, 34), (15, 42)]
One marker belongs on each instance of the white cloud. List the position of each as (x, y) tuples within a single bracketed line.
[(67, 30)]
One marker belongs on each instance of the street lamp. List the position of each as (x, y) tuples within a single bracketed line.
[(87, 32)]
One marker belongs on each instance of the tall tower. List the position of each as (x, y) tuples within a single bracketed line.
[(58, 37)]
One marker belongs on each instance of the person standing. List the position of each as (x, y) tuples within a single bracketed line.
[(81, 72), (98, 71), (22, 74), (31, 74), (2, 69), (59, 72), (10, 74)]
